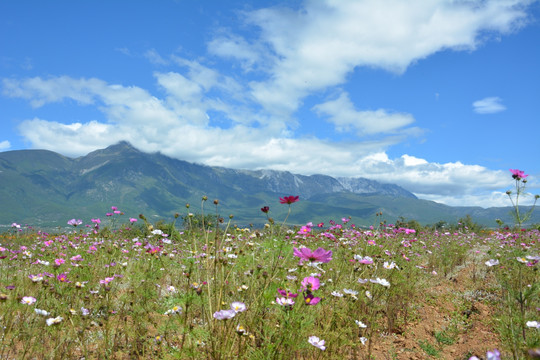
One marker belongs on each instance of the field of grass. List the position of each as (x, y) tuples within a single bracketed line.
[(126, 290)]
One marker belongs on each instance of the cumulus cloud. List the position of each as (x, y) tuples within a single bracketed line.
[(247, 119), (346, 118), (488, 105), (318, 45), (4, 145)]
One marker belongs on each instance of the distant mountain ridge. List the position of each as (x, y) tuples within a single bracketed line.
[(43, 187)]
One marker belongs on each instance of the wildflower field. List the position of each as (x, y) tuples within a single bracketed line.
[(122, 289)]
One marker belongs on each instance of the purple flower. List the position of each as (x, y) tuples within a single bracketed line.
[(319, 255), (490, 355), (493, 355), (286, 294), (224, 314), (318, 343), (74, 222)]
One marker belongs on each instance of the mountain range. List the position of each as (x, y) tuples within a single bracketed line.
[(44, 188)]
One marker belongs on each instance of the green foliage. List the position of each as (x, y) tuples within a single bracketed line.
[(409, 224), (428, 348), (467, 224), (199, 221)]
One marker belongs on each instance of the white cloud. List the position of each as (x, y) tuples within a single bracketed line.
[(74, 139), (236, 48), (345, 117), (320, 44), (4, 145), (488, 105), (153, 56)]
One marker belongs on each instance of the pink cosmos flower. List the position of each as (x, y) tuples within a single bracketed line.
[(304, 230), (62, 278), (518, 174), (288, 199), (132, 220), (59, 262), (309, 299), (74, 222), (77, 258), (319, 255), (310, 283), (106, 280), (286, 294), (28, 300)]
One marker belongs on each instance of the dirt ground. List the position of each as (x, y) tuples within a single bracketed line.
[(452, 322)]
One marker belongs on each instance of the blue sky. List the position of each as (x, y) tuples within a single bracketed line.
[(440, 97)]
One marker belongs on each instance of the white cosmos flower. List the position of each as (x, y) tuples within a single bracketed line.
[(41, 312), (533, 324), (238, 306), (56, 320), (315, 341), (360, 324), (492, 262)]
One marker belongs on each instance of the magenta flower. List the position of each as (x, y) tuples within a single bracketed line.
[(518, 174), (286, 294), (319, 255), (304, 230), (132, 220), (59, 262), (265, 209), (311, 283), (309, 299), (288, 199), (62, 278)]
